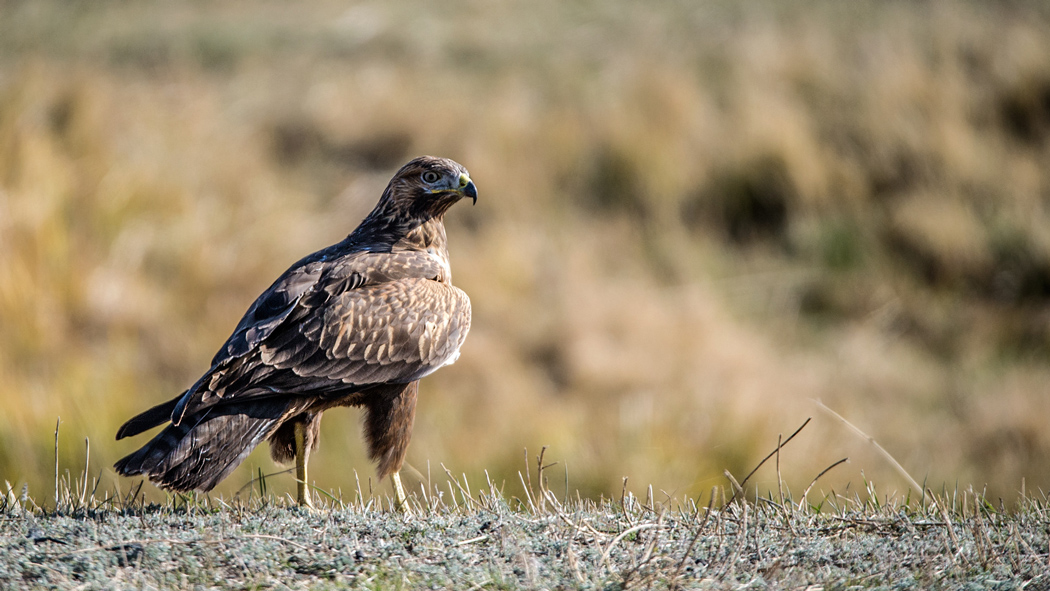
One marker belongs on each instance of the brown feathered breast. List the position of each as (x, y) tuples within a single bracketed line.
[(358, 323)]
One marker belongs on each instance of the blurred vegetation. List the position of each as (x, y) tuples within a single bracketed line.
[(694, 219)]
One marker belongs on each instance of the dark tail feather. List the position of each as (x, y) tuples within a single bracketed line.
[(202, 450), (149, 419)]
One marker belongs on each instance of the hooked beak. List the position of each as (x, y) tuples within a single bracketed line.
[(467, 188), (471, 191)]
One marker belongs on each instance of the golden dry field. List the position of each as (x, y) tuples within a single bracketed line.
[(695, 220)]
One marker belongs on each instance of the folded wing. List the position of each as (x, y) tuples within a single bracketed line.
[(356, 324)]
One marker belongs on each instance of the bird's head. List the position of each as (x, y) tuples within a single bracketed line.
[(426, 187)]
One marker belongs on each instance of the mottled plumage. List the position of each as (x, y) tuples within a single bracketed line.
[(355, 324)]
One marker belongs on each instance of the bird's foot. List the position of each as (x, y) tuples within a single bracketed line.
[(400, 499), (303, 499)]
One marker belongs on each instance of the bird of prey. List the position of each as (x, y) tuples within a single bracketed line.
[(355, 324)]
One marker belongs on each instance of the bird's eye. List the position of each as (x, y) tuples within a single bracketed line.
[(430, 177)]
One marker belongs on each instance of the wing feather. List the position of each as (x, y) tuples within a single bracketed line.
[(397, 331), (357, 323)]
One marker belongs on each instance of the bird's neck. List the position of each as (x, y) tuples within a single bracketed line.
[(428, 236), (393, 233)]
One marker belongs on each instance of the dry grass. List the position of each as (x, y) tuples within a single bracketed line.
[(694, 220), (478, 536)]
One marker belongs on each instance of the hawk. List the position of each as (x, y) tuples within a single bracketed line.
[(355, 324)]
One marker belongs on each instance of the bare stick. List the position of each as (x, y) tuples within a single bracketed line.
[(57, 423), (452, 494), (623, 501), (528, 496), (539, 476), (360, 495), (775, 452), (737, 489), (469, 500), (466, 483), (87, 462), (472, 540), (893, 462), (780, 481), (822, 472), (528, 474)]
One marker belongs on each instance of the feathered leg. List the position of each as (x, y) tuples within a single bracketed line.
[(296, 439), (389, 414)]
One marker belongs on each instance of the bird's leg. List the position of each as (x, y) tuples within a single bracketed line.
[(389, 413), (302, 493), (399, 494)]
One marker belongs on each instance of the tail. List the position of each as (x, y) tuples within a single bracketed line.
[(149, 419), (203, 449)]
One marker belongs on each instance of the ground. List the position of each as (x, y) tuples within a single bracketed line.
[(487, 542)]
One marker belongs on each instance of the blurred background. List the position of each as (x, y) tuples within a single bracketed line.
[(695, 219)]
